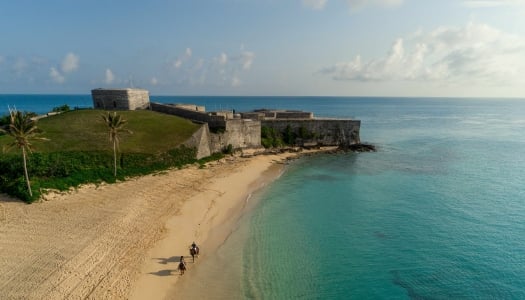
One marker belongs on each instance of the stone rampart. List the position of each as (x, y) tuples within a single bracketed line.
[(200, 140), (220, 131), (325, 132), (120, 99), (191, 107), (239, 133), (294, 115), (252, 115), (277, 114), (195, 116)]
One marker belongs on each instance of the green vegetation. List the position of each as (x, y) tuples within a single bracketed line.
[(62, 108), (270, 138), (78, 151), (22, 128), (115, 124), (5, 120)]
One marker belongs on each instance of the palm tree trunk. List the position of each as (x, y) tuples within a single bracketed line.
[(25, 172), (115, 158)]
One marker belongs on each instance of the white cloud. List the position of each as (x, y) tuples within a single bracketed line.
[(236, 81), (475, 53), (247, 58), (224, 69), (390, 2), (359, 4), (19, 66), (70, 63), (491, 3), (110, 77), (154, 81), (56, 76), (314, 4), (38, 61), (222, 59), (353, 4), (177, 63), (199, 64)]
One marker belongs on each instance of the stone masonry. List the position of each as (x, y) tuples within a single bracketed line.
[(222, 129), (120, 99)]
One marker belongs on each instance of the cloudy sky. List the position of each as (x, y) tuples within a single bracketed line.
[(265, 47)]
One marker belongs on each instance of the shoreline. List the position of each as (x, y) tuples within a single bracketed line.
[(207, 218), (98, 241), (161, 279)]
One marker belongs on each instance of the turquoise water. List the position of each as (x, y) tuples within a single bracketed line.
[(437, 213)]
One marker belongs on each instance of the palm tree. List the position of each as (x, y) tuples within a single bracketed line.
[(115, 124), (23, 129)]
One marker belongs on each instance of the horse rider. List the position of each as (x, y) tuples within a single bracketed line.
[(182, 265)]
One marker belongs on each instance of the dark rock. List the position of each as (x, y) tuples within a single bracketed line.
[(360, 148)]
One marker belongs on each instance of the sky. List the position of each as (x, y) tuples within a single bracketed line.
[(412, 48)]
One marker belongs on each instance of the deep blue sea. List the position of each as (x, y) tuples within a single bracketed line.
[(437, 213)]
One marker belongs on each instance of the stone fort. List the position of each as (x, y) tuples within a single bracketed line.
[(240, 130), (120, 99)]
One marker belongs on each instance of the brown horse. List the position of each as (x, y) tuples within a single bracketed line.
[(194, 251), (182, 265)]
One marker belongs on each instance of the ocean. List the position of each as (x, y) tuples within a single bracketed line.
[(438, 212)]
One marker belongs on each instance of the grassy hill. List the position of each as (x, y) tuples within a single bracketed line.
[(84, 130), (78, 151)]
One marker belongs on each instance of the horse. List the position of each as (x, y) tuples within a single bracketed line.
[(194, 251), (182, 267)]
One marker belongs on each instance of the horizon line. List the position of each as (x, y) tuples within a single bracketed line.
[(280, 96)]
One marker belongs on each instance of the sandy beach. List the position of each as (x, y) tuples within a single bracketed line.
[(123, 241)]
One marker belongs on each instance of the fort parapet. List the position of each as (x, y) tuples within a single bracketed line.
[(268, 114), (186, 111)]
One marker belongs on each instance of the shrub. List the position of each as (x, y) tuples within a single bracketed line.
[(228, 149), (62, 108), (62, 170)]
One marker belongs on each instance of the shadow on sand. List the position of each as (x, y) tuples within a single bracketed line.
[(165, 261), (166, 272)]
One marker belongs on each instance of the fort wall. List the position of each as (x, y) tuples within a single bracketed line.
[(263, 114), (201, 140), (325, 132), (120, 99), (198, 116), (238, 133), (219, 131), (224, 128)]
